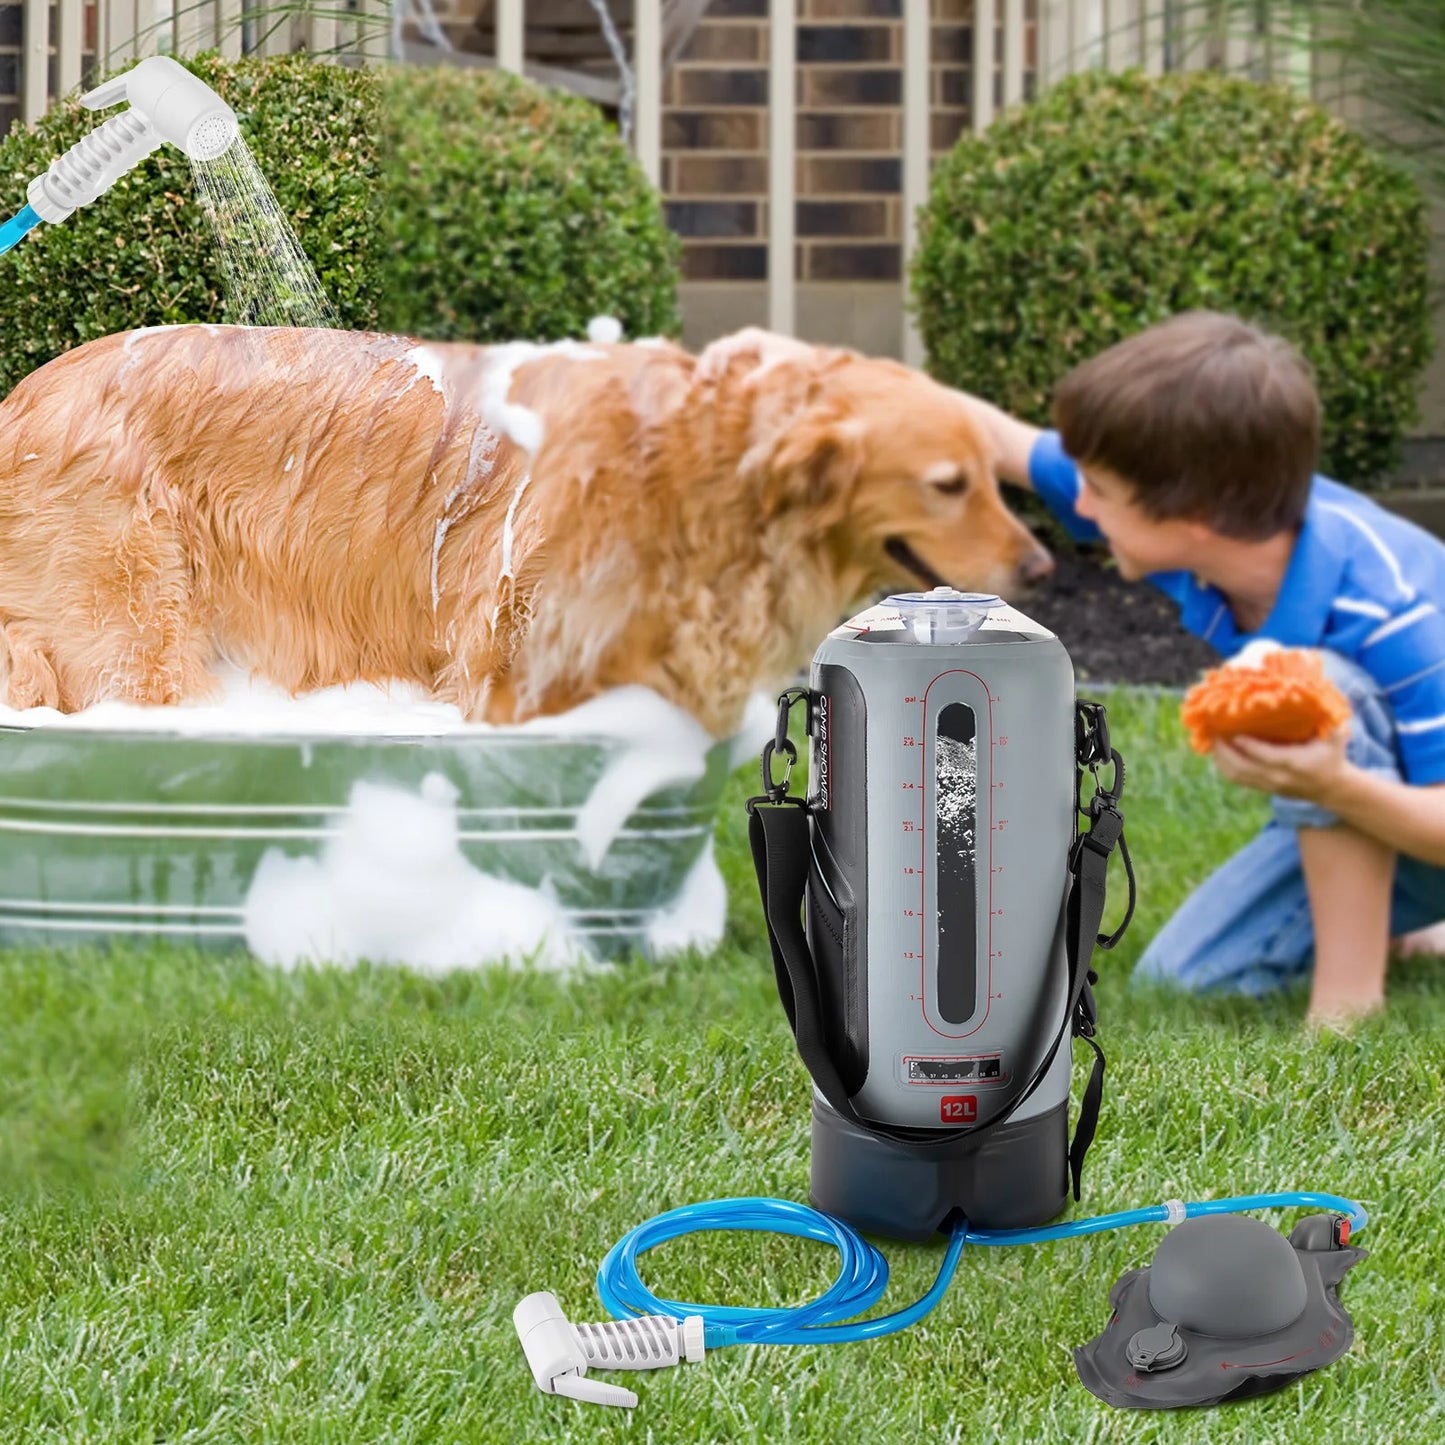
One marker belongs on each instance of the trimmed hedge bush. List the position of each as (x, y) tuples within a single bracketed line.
[(1119, 200), (459, 205), (515, 211)]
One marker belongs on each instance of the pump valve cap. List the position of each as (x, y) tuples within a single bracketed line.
[(1157, 1348)]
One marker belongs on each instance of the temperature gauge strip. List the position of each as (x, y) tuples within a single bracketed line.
[(976, 1069)]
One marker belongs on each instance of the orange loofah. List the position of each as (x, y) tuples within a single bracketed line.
[(1285, 699)]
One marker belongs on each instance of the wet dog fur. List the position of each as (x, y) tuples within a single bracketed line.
[(513, 528)]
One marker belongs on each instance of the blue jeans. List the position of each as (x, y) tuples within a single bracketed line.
[(1247, 928)]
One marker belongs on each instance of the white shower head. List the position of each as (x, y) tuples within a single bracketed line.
[(183, 109), (166, 103)]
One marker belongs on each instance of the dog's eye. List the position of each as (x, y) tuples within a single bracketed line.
[(950, 486)]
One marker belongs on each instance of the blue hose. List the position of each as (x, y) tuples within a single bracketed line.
[(16, 227), (863, 1272)]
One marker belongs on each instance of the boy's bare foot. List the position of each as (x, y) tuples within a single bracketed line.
[(1424, 940), (1341, 1016), (1348, 875)]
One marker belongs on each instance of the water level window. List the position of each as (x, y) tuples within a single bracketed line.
[(955, 763)]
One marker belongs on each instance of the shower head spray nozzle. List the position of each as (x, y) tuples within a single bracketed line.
[(166, 103), (181, 108)]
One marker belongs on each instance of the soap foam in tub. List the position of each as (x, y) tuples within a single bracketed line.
[(393, 886), (392, 883)]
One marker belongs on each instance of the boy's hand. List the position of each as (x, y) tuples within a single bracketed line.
[(1010, 440), (766, 349), (1293, 770)]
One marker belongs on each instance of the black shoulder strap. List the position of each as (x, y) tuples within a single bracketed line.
[(779, 831), (781, 838)]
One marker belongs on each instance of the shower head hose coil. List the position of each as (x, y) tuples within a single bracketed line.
[(165, 102), (91, 166)]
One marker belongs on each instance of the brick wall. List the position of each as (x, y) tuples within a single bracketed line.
[(715, 120), (12, 35), (850, 132)]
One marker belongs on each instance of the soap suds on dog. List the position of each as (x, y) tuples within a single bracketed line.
[(1252, 654), (429, 365), (480, 462), (127, 347), (513, 420), (133, 336), (604, 330), (256, 708), (508, 524)]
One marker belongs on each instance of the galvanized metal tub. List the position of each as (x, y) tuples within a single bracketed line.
[(158, 835)]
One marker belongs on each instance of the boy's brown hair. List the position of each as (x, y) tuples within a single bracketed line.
[(1205, 417)]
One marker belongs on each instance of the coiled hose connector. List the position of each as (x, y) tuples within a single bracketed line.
[(560, 1353), (91, 166), (167, 103)]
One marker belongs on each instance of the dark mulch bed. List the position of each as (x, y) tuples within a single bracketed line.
[(1129, 632), (1115, 631)]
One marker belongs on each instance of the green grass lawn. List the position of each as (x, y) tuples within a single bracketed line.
[(248, 1206)]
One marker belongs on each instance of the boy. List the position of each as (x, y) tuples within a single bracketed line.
[(1190, 448)]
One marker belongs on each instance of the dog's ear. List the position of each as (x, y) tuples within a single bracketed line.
[(814, 466)]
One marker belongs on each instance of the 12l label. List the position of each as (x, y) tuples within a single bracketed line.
[(958, 1108)]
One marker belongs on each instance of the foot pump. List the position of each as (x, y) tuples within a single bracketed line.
[(932, 909)]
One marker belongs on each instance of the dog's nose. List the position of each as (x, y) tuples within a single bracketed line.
[(1037, 567)]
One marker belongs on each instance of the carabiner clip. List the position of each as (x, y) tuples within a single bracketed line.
[(1102, 797), (776, 791), (786, 699), (1091, 734)]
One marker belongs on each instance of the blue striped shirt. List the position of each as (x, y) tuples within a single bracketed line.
[(1360, 580)]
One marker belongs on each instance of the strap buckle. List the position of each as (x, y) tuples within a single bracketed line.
[(754, 804)]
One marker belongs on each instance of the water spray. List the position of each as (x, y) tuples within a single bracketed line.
[(165, 103)]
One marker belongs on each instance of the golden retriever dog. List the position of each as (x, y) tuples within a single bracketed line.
[(515, 528)]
